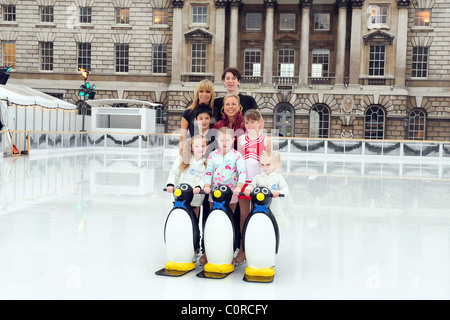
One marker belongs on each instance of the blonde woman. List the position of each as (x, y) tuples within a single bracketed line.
[(204, 93)]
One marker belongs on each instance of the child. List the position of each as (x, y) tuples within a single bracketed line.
[(270, 178), (251, 145), (225, 166), (203, 119), (189, 167)]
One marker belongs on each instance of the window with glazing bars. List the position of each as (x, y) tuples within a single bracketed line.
[(377, 60), (319, 122), (85, 14), (198, 57), (419, 62), (286, 59), (417, 124), (9, 12), (199, 14), (46, 56), (374, 123), (252, 62), (159, 58), (122, 57), (46, 13), (84, 56)]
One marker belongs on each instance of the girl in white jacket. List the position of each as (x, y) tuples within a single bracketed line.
[(271, 179), (189, 167)]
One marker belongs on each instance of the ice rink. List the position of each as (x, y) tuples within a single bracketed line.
[(89, 225)]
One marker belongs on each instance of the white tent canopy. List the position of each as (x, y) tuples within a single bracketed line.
[(25, 96)]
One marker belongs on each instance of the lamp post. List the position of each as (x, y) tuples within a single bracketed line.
[(87, 92), (405, 125), (82, 93)]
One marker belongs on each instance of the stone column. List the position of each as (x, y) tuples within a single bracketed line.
[(177, 41), (305, 5), (355, 42), (268, 41), (402, 32), (219, 42), (341, 36), (234, 23)]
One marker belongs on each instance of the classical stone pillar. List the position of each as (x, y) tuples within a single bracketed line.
[(268, 41), (219, 42), (305, 5), (340, 53), (402, 32), (177, 40), (234, 22), (355, 42)]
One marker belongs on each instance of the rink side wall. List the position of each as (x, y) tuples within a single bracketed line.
[(35, 142)]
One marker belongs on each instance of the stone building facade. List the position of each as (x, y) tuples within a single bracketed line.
[(365, 69)]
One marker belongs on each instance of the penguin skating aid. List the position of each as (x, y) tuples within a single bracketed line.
[(261, 238), (219, 235), (181, 234)]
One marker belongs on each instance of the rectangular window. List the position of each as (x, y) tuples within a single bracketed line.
[(287, 21), (46, 13), (252, 62), (420, 62), (85, 14), (286, 58), (122, 57), (46, 56), (253, 21), (122, 15), (322, 21), (378, 15), (84, 56), (8, 54), (9, 12), (377, 60), (320, 63), (198, 57), (159, 58), (422, 18), (161, 16), (199, 14)]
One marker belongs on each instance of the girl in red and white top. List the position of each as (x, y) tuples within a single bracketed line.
[(251, 145)]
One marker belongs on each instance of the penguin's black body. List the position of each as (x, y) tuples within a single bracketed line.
[(260, 238), (219, 234), (181, 234)]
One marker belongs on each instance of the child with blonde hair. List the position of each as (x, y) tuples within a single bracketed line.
[(189, 167), (225, 166), (271, 179)]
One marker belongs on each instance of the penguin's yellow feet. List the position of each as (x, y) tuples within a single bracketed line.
[(260, 272), (180, 266), (219, 268)]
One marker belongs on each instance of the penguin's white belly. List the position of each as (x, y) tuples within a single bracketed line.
[(260, 242), (218, 236), (179, 237)]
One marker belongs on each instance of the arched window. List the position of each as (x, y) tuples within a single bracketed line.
[(319, 122), (417, 124), (284, 119), (374, 123)]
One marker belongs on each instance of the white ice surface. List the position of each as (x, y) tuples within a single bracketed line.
[(89, 225)]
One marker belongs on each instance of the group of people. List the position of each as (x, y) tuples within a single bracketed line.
[(222, 142)]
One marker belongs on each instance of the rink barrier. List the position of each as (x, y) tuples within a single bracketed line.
[(30, 141)]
